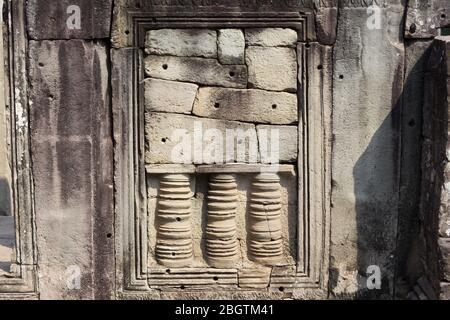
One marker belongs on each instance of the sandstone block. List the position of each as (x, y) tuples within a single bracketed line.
[(272, 68), (175, 138), (247, 105), (169, 96), (287, 143), (231, 46), (197, 70), (271, 37), (182, 42)]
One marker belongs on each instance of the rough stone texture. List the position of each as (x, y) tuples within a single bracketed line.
[(271, 37), (424, 18), (182, 42), (288, 141), (272, 68), (162, 138), (409, 265), (435, 167), (47, 19), (326, 22), (231, 46), (368, 77), (71, 147), (169, 96), (247, 105), (187, 70)]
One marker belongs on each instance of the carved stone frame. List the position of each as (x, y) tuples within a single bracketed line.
[(311, 275), (21, 283)]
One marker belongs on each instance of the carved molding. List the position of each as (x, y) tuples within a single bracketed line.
[(21, 283), (133, 277)]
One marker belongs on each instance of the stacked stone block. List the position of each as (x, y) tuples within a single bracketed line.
[(225, 80)]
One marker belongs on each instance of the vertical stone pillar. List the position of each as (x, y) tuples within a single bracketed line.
[(174, 237), (265, 235), (222, 247)]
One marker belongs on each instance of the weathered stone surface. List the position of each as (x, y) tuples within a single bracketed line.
[(169, 96), (271, 37), (182, 42), (425, 18), (444, 246), (72, 159), (247, 105), (48, 19), (165, 133), (231, 46), (326, 22), (287, 142), (272, 68), (416, 57), (368, 73), (196, 70)]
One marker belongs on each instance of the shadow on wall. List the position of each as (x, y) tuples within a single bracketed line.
[(5, 198), (387, 179)]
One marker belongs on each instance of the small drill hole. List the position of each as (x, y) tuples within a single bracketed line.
[(173, 254), (167, 270), (41, 64), (307, 46), (217, 105), (412, 28), (341, 76), (163, 140), (320, 67), (127, 32), (216, 278), (281, 289), (412, 123), (178, 219), (232, 74), (182, 287), (443, 16), (274, 106), (165, 66), (109, 235)]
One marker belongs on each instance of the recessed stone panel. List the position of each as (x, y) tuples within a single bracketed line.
[(196, 70), (247, 105)]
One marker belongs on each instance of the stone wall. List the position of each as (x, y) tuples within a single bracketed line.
[(435, 181), (189, 75)]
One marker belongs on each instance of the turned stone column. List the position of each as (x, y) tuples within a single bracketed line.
[(222, 247), (264, 231), (174, 237)]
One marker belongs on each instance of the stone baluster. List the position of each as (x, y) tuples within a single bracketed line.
[(265, 241), (174, 246), (222, 247)]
